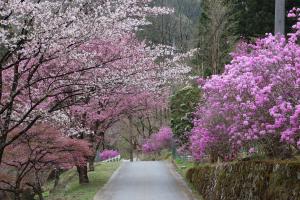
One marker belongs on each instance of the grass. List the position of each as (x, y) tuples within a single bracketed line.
[(70, 189), (183, 166)]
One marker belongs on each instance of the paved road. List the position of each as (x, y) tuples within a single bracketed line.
[(145, 181)]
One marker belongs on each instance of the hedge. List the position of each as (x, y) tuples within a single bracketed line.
[(248, 180)]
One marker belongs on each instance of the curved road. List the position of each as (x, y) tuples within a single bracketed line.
[(145, 181)]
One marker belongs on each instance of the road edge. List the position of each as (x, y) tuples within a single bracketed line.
[(181, 181), (100, 191)]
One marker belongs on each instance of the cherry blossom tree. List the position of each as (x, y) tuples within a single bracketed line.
[(54, 56), (28, 160)]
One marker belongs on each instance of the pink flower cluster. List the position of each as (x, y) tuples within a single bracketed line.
[(158, 141), (256, 99), (107, 154)]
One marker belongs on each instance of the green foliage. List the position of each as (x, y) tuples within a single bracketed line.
[(70, 189), (183, 104), (255, 180), (223, 22), (216, 36), (256, 17), (183, 166)]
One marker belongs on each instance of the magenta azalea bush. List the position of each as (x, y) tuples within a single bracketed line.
[(158, 141), (255, 101), (107, 154)]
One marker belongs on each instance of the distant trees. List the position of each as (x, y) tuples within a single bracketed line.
[(178, 28), (141, 118), (223, 23), (256, 17), (216, 36), (253, 18)]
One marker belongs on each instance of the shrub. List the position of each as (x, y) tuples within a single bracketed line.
[(248, 180), (255, 101), (107, 154), (158, 141)]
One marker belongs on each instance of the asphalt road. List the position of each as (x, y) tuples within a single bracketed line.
[(145, 181)]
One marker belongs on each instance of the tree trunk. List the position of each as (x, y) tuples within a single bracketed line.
[(2, 144), (131, 142), (131, 153), (56, 178), (40, 194), (38, 191), (18, 192), (213, 157), (92, 164), (280, 16), (82, 174), (1, 150), (275, 149), (17, 196)]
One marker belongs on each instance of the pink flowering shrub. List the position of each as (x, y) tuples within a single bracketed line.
[(107, 154), (158, 141), (255, 100)]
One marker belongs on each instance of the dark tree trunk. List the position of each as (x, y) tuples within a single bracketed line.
[(277, 150), (56, 178), (37, 191), (131, 153), (2, 143), (40, 194), (213, 157), (17, 196), (18, 192), (82, 173), (131, 142), (92, 164), (1, 151)]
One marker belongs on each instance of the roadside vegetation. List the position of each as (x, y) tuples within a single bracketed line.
[(182, 167), (70, 189)]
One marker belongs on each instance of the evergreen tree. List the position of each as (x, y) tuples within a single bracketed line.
[(183, 104), (216, 36), (256, 17)]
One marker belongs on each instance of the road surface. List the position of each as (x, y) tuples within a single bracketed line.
[(145, 181)]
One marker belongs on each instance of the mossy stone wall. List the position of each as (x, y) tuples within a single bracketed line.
[(248, 180)]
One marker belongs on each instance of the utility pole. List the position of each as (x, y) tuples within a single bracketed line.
[(280, 16)]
